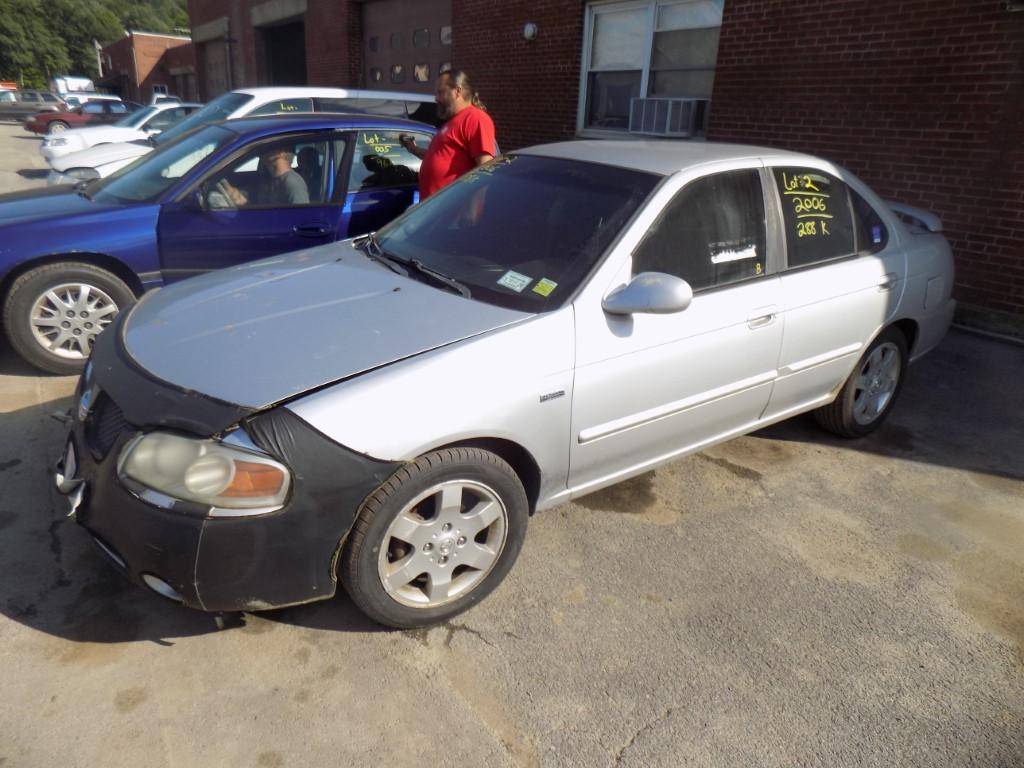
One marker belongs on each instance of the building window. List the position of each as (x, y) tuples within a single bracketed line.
[(375, 74), (396, 41), (446, 66), (373, 44), (421, 38), (648, 48), (397, 73), (446, 35), (421, 73), (159, 90)]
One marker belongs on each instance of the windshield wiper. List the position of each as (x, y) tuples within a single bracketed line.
[(397, 264), (375, 252), (451, 282)]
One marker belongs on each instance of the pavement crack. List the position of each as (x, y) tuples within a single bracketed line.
[(644, 729), (452, 628)]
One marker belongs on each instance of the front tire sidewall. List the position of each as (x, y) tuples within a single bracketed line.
[(359, 562), (17, 314)]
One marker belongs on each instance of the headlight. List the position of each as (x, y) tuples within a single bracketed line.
[(83, 174), (56, 142), (230, 481)]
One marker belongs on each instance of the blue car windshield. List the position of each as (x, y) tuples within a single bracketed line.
[(147, 179), (521, 232), (219, 109)]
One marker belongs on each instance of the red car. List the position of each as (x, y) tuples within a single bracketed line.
[(90, 113)]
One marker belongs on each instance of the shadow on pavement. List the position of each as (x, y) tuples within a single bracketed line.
[(958, 408), (34, 173)]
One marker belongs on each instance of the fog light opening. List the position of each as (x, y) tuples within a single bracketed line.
[(162, 588)]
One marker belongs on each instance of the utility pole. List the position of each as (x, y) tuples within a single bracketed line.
[(99, 57)]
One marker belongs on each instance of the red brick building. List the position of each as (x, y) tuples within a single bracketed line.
[(142, 64), (924, 99)]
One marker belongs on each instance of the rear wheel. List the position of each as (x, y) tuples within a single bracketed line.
[(869, 393), (54, 312), (436, 538), (56, 126)]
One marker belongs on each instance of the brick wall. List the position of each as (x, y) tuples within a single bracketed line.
[(153, 66), (333, 47), (922, 99), (529, 87)]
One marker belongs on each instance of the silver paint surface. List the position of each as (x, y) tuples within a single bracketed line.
[(268, 330)]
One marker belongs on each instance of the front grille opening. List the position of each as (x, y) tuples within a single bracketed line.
[(103, 426)]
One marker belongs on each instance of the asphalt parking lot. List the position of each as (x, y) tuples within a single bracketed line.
[(784, 599)]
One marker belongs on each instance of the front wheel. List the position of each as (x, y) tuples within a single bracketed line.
[(54, 312), (436, 538), (869, 393), (56, 126)]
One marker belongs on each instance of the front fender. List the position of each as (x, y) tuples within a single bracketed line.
[(514, 384)]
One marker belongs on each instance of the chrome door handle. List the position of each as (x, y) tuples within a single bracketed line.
[(761, 317), (888, 281)]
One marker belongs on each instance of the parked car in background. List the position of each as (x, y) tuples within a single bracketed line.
[(17, 105), (99, 163), (134, 126), (387, 412), (90, 113), (72, 257), (165, 98)]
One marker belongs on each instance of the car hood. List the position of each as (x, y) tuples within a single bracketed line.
[(94, 157), (264, 332), (106, 133), (45, 203)]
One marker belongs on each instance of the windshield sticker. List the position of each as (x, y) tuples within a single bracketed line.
[(514, 281), (544, 287)]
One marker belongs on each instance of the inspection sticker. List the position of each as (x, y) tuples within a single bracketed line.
[(544, 286), (514, 281)]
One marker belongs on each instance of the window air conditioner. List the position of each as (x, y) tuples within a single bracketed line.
[(660, 116)]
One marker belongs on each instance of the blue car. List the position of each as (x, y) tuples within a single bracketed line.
[(72, 257)]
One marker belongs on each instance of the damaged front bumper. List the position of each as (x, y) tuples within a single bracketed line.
[(255, 562)]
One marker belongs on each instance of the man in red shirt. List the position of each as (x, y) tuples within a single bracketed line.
[(465, 141)]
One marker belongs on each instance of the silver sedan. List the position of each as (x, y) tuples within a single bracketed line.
[(388, 412)]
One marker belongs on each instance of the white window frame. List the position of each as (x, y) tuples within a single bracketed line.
[(590, 11)]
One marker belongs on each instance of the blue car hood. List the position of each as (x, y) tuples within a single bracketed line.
[(46, 203), (263, 332)]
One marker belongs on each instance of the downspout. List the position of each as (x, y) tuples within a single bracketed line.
[(227, 56)]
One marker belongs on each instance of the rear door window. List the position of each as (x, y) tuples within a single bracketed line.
[(380, 161), (816, 216)]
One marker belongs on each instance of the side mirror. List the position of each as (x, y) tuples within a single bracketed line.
[(650, 293)]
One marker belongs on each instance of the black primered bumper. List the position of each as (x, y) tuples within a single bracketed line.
[(222, 564)]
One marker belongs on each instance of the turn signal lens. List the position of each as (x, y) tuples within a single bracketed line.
[(255, 480)]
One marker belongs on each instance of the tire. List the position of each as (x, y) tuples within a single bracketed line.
[(869, 393), (56, 126), (401, 523), (84, 297)]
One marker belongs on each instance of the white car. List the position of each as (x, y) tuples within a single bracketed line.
[(135, 126), (386, 413), (88, 164), (78, 98)]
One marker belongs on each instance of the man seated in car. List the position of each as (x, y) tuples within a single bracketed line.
[(278, 183)]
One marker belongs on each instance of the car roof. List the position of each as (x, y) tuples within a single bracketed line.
[(320, 120), (294, 92), (660, 156), (165, 105)]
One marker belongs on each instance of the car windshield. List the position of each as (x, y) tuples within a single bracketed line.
[(151, 175), (135, 119), (521, 232), (218, 109)]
